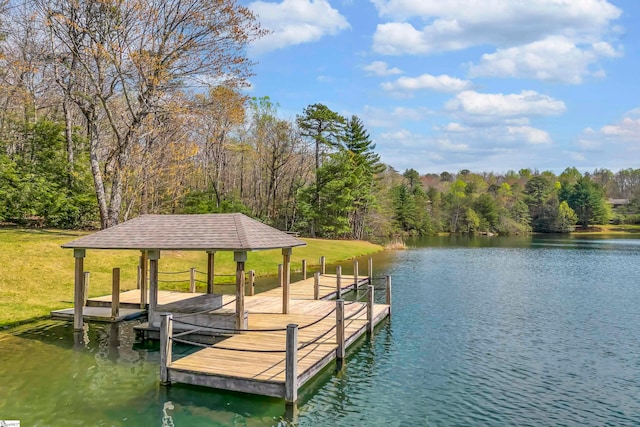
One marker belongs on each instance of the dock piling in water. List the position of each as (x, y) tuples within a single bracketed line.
[(78, 300), (338, 282), (340, 341), (166, 340), (370, 301), (115, 293), (291, 365), (144, 265), (388, 296)]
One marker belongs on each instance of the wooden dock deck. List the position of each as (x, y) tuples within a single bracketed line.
[(255, 362)]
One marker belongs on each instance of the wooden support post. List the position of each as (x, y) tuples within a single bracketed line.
[(316, 285), (166, 335), (78, 297), (240, 258), (139, 273), (280, 276), (355, 273), (85, 292), (144, 263), (388, 290), (154, 256), (291, 414), (304, 269), (115, 293), (338, 282), (340, 350), (370, 310), (323, 265), (192, 280), (291, 365), (210, 271), (286, 278), (370, 270), (252, 282)]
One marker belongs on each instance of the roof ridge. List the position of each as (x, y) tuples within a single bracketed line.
[(240, 231)]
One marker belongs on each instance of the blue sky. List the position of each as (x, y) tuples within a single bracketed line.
[(445, 85)]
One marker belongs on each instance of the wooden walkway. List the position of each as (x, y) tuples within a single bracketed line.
[(132, 298), (254, 362), (101, 314)]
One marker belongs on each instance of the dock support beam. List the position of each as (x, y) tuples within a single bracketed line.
[(370, 270), (304, 269), (154, 256), (370, 299), (340, 350), (338, 282), (323, 265), (240, 258), (211, 258), (291, 365), (115, 293), (316, 285), (78, 296), (280, 276), (166, 334), (286, 279), (144, 269)]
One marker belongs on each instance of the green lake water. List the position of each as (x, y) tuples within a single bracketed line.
[(484, 331)]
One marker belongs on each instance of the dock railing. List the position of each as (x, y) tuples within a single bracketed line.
[(290, 351), (194, 277)]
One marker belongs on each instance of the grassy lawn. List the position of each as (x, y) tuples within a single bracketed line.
[(36, 274), (611, 229)]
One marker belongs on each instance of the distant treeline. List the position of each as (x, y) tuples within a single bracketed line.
[(110, 111)]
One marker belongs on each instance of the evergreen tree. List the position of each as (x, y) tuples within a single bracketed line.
[(586, 198), (364, 166), (326, 129)]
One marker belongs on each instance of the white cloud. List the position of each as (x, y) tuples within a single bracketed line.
[(455, 127), (497, 105), (442, 83), (454, 147), (459, 24), (294, 22), (555, 58), (612, 146), (627, 129), (380, 68), (529, 134), (379, 117)]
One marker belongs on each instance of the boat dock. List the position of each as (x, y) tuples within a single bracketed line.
[(277, 353), (268, 344)]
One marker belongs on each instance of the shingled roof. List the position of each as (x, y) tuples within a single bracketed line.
[(225, 232)]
